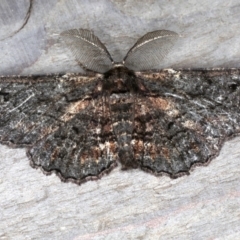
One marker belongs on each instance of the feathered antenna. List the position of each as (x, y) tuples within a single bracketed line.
[(149, 50), (88, 50)]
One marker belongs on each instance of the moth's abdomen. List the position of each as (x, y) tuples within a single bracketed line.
[(122, 115)]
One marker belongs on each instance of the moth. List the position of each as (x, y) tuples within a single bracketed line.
[(161, 121)]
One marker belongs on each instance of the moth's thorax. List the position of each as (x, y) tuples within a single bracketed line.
[(120, 79)]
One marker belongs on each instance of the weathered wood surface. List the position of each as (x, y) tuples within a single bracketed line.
[(122, 205)]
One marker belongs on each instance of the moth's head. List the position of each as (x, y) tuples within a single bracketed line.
[(119, 72), (119, 78)]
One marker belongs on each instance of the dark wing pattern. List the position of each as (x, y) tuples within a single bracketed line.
[(88, 50), (61, 126), (149, 50), (184, 118), (162, 122)]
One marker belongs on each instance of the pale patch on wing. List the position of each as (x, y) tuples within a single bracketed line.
[(138, 148), (164, 104), (160, 103), (161, 75), (74, 108), (106, 150), (153, 76), (80, 79), (190, 124)]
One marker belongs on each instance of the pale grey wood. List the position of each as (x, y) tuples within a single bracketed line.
[(122, 205)]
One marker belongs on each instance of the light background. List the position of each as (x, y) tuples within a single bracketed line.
[(122, 205)]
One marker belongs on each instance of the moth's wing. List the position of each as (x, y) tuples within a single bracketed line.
[(31, 107), (81, 149), (59, 122), (185, 118), (148, 52), (88, 50)]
